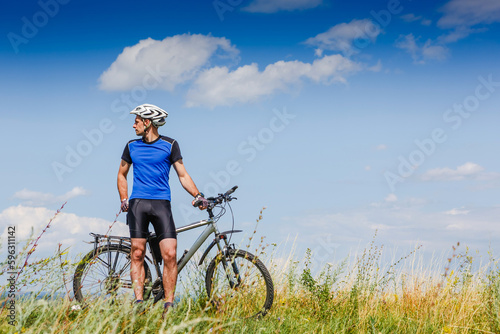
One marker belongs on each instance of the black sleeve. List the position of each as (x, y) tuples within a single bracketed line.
[(175, 153), (126, 155)]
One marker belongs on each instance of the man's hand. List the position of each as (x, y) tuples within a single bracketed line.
[(124, 205), (200, 201)]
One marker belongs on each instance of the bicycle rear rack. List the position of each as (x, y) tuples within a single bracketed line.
[(108, 240)]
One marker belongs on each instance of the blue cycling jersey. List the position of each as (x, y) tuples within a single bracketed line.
[(151, 163)]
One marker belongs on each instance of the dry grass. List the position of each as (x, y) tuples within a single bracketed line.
[(362, 296)]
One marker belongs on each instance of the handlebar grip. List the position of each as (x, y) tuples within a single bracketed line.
[(230, 191), (197, 203)]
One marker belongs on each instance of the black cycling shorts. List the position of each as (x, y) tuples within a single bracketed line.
[(141, 212)]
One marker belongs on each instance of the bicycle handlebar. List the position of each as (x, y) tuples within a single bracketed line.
[(230, 191), (212, 201)]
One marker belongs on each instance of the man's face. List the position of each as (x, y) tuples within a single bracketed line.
[(139, 126)]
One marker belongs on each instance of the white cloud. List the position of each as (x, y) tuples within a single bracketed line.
[(173, 61), (412, 18), (467, 170), (455, 35), (392, 202), (30, 197), (469, 13), (430, 51), (420, 54), (67, 228), (189, 58), (273, 6), (458, 33), (344, 36), (462, 15), (459, 18), (426, 22), (391, 198), (455, 211), (401, 227), (376, 68), (218, 86)]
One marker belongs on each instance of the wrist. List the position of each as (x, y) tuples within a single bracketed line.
[(198, 195)]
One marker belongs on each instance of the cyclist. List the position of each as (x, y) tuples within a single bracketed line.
[(152, 156)]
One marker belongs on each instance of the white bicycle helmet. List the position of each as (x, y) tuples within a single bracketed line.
[(149, 111)]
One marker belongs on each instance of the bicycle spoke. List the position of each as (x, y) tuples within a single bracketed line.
[(240, 286), (96, 278), (125, 268)]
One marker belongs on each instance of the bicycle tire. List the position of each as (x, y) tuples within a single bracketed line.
[(252, 296), (94, 277)]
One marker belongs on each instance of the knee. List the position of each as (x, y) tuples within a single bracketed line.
[(138, 253), (169, 255)]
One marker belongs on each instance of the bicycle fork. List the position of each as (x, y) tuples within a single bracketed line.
[(225, 254)]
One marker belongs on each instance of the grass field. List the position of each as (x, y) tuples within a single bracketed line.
[(356, 297), (457, 294)]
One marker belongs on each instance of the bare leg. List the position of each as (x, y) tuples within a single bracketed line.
[(137, 273), (168, 249)]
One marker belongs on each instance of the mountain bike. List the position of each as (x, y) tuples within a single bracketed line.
[(235, 280)]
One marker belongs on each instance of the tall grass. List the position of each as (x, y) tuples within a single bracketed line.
[(357, 295)]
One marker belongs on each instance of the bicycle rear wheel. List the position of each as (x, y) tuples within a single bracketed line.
[(105, 273), (239, 283)]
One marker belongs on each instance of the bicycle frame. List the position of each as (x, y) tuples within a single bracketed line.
[(211, 227)]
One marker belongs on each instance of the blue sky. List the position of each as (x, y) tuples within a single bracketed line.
[(340, 118)]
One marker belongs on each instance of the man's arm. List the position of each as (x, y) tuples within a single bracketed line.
[(122, 181), (186, 181)]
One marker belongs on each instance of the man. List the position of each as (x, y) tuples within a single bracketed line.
[(152, 156)]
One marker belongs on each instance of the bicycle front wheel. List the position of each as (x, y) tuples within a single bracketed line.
[(239, 283), (105, 273)]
